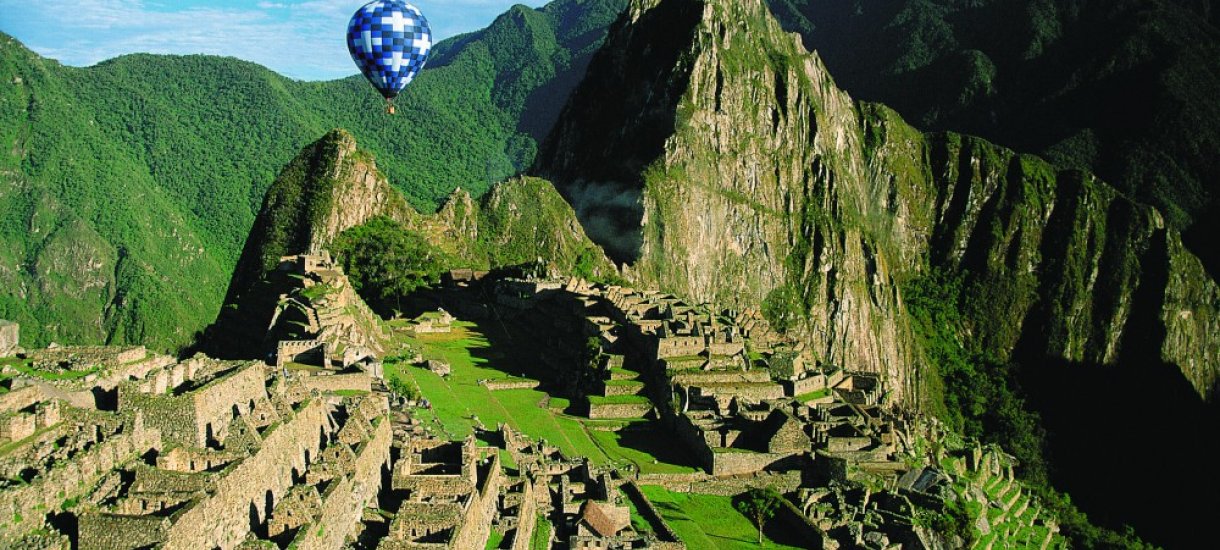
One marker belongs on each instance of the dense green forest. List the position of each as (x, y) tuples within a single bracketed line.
[(980, 396), (1123, 88), (128, 187), (188, 144)]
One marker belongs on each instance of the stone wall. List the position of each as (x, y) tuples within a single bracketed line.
[(288, 351), (190, 419), (345, 502), (678, 346), (527, 517), (784, 482), (110, 532), (494, 385), (619, 410), (10, 337), (83, 357), (182, 459), (15, 426), (730, 376), (807, 384), (476, 523), (629, 387), (20, 398), (49, 490), (359, 381), (666, 536), (847, 444), (726, 463), (755, 391), (223, 519)]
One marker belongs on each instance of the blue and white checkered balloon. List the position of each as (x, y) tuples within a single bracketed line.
[(390, 41)]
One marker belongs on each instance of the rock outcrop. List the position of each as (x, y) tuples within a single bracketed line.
[(333, 186), (329, 187), (740, 173), (521, 221)]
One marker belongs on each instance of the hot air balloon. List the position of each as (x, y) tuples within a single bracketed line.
[(390, 41)]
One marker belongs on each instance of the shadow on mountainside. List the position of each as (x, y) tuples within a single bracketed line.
[(1133, 446)]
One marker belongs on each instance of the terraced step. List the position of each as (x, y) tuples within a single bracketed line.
[(622, 387), (1012, 500), (623, 374), (1020, 509)]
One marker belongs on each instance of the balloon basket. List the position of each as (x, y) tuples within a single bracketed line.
[(389, 107)]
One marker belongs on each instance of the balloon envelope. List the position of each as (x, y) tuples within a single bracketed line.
[(390, 41)]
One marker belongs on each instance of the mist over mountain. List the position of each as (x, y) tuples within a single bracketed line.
[(1000, 208)]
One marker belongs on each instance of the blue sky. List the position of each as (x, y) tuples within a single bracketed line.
[(302, 39)]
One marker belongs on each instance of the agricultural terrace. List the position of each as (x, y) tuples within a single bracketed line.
[(712, 522), (460, 403)]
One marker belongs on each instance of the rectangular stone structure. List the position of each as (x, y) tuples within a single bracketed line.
[(10, 337)]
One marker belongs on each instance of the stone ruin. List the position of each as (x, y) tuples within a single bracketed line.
[(586, 505), (448, 494), (120, 448), (322, 307), (10, 338), (196, 453), (433, 322)]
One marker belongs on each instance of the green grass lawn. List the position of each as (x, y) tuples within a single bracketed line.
[(649, 448), (813, 395), (542, 534), (494, 540), (456, 400), (707, 521)]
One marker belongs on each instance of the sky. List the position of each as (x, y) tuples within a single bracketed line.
[(302, 39)]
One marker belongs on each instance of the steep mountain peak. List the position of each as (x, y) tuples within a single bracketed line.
[(331, 186), (714, 157)]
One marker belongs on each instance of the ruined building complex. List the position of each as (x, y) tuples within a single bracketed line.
[(118, 448)]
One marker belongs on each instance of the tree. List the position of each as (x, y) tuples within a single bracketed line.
[(759, 505), (386, 262)]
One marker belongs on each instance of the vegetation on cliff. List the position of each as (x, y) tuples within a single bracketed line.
[(387, 262), (189, 144), (750, 178), (1125, 89)]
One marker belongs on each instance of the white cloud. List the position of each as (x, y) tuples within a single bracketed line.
[(301, 39)]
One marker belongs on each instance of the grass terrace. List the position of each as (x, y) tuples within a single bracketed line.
[(460, 403), (711, 522)]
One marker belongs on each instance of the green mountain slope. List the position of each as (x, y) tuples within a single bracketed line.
[(732, 169), (334, 189), (1124, 88), (140, 177)]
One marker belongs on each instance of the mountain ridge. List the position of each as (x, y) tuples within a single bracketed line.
[(333, 187), (200, 158), (746, 175)]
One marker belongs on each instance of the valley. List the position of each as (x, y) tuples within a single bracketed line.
[(625, 274)]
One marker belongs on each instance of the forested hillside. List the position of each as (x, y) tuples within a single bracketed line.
[(1123, 88), (128, 187)]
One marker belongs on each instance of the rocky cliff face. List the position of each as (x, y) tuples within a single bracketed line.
[(742, 174), (520, 221), (329, 187), (333, 186), (746, 182)]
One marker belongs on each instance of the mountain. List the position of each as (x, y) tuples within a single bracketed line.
[(333, 189), (717, 158), (741, 173), (143, 172), (1125, 89)]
